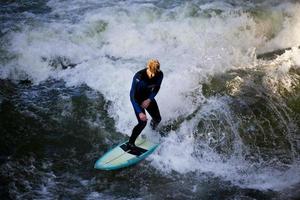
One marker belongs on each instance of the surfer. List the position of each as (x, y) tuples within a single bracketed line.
[(145, 85)]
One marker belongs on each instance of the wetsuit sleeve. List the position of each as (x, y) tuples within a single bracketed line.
[(135, 104), (156, 88)]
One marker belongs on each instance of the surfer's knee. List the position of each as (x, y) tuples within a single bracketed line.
[(157, 120), (142, 123)]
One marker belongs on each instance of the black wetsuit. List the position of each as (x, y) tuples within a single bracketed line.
[(144, 88)]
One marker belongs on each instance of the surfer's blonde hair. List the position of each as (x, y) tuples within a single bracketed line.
[(153, 65)]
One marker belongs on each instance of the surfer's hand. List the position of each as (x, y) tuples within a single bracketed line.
[(143, 117), (146, 103)]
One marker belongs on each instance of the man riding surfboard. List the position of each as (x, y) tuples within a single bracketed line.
[(145, 86)]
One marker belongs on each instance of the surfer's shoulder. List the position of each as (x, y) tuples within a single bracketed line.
[(140, 74), (161, 74)]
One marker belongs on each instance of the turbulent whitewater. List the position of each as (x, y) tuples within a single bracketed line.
[(230, 98)]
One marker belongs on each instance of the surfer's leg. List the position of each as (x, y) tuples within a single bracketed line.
[(153, 110), (137, 129)]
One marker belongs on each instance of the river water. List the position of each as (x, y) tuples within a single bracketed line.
[(231, 112)]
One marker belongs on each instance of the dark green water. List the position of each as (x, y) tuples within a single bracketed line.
[(48, 151)]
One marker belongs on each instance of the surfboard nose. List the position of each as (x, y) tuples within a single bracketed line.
[(98, 165)]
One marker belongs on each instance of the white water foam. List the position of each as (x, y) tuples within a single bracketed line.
[(278, 75), (112, 43), (288, 34)]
